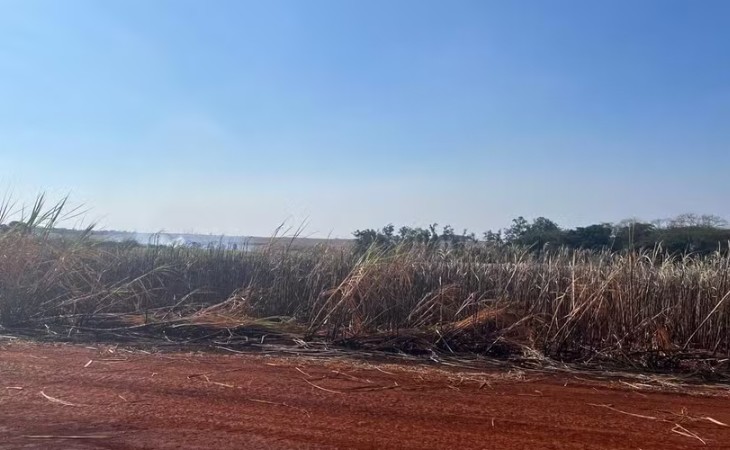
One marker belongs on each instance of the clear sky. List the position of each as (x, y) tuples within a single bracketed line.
[(232, 116)]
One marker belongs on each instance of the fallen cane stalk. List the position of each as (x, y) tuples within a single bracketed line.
[(58, 400)]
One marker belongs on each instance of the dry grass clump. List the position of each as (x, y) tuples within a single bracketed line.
[(561, 303), (636, 307)]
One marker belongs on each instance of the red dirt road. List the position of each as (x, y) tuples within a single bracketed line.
[(51, 396)]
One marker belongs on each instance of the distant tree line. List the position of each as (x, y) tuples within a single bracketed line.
[(388, 237), (14, 226), (687, 233)]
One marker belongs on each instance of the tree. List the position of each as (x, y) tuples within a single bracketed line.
[(632, 234), (386, 237), (417, 235), (538, 233), (541, 232), (364, 239), (593, 237), (710, 221), (693, 239), (493, 237), (517, 230), (543, 225), (693, 220)]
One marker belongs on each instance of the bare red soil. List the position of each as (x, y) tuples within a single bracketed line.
[(63, 396)]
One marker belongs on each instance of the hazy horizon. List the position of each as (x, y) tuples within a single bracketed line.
[(79, 217), (230, 118)]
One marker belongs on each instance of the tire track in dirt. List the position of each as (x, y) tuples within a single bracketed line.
[(133, 400)]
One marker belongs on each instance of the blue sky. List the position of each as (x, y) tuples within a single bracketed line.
[(233, 116)]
